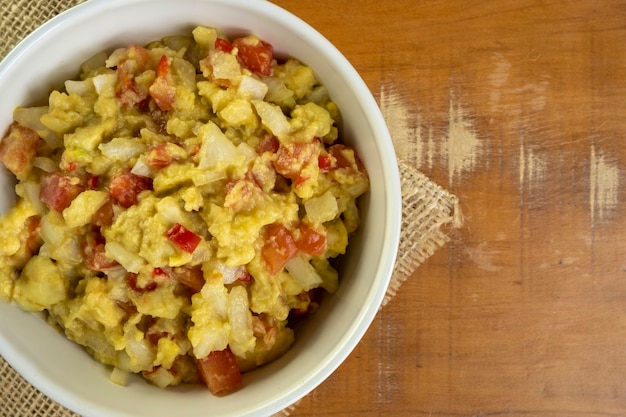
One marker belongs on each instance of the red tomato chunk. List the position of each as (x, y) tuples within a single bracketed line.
[(183, 238), (220, 372), (223, 45), (59, 190), (279, 247), (126, 186), (94, 255), (163, 91), (255, 54), (18, 148), (311, 241)]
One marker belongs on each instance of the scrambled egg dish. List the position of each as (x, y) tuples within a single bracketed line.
[(178, 206)]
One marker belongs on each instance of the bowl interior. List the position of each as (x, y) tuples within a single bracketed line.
[(63, 370)]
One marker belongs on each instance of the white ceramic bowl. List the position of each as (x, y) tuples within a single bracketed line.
[(63, 370)]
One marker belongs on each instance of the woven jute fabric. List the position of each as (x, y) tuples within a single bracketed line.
[(429, 214), (21, 17)]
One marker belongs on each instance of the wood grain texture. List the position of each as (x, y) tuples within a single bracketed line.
[(518, 107)]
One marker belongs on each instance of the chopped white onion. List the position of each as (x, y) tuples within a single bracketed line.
[(52, 230), (242, 338), (303, 272), (278, 91), (142, 169), (161, 377), (141, 356), (322, 208), (229, 273), (116, 57), (273, 118), (122, 149), (45, 164), (119, 376), (217, 151), (130, 261), (204, 177), (80, 88), (170, 210), (252, 88), (32, 190), (103, 82)]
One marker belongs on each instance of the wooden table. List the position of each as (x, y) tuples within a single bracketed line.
[(518, 107)]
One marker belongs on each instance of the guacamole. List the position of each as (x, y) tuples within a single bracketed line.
[(178, 204)]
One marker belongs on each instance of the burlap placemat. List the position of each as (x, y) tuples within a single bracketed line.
[(429, 213)]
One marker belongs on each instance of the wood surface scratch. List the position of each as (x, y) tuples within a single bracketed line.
[(604, 179), (533, 168), (464, 147)]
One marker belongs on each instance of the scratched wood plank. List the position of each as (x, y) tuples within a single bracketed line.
[(517, 107)]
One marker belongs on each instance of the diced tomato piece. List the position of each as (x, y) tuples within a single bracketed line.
[(268, 144), (128, 91), (183, 238), (131, 279), (220, 372), (18, 148), (190, 277), (242, 195), (140, 55), (163, 67), (279, 247), (159, 272), (161, 155), (158, 157), (126, 186), (290, 160), (154, 332), (59, 190), (223, 45), (162, 89), (103, 217), (299, 181), (255, 54), (324, 162), (136, 60), (311, 241), (311, 298), (263, 175), (94, 255), (265, 326), (93, 182), (163, 94), (244, 276), (304, 297), (341, 159), (346, 157), (70, 166)]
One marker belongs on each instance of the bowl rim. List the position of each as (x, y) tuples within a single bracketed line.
[(392, 227)]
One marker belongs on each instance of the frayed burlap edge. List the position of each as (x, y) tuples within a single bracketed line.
[(429, 213)]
